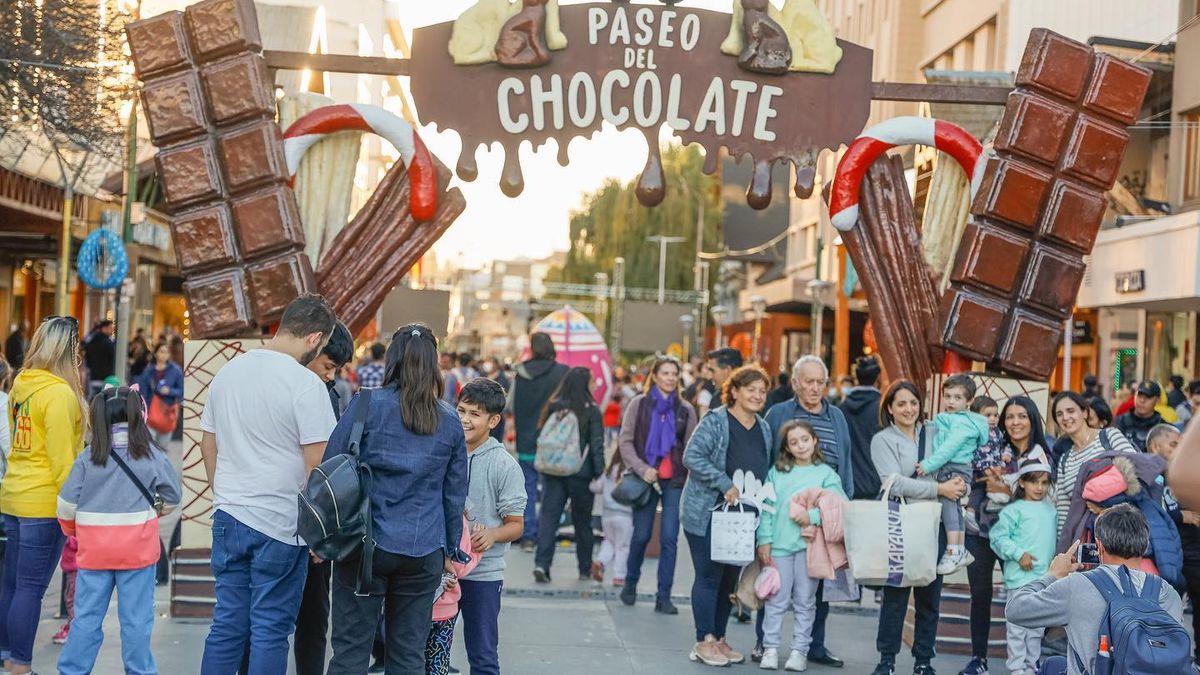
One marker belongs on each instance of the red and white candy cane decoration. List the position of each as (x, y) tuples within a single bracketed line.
[(949, 138), (312, 127)]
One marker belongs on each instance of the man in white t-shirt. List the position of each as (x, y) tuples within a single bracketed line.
[(265, 427)]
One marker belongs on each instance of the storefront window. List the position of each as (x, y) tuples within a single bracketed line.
[(1168, 339)]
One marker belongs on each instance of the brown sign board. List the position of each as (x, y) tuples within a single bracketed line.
[(642, 67)]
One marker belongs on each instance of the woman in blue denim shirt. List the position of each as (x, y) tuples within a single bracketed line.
[(413, 442)]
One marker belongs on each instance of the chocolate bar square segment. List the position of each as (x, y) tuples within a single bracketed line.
[(1032, 343), (218, 305), (238, 88), (989, 256), (1116, 89), (1094, 152), (158, 44), (267, 220), (189, 173), (1073, 214), (221, 27), (1055, 64), (277, 281), (174, 107), (972, 323), (1034, 127), (1012, 192), (1052, 281), (252, 156), (204, 238)]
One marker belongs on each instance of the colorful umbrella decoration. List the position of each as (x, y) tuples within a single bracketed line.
[(578, 343)]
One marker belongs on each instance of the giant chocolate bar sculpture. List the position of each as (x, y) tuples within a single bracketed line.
[(210, 102), (210, 105), (1039, 207)]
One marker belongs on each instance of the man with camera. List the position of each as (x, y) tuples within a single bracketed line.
[(1062, 598)]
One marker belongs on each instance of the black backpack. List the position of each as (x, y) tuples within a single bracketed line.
[(335, 506)]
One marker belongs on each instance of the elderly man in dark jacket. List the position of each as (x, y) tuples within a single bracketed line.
[(861, 408), (535, 382)]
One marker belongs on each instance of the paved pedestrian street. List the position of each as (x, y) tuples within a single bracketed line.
[(568, 626)]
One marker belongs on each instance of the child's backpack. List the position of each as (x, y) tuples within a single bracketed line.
[(335, 507), (1144, 638), (558, 450)]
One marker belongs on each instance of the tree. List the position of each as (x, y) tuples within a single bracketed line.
[(65, 79), (611, 224)]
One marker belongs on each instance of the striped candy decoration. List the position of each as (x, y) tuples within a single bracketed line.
[(949, 138), (422, 176)]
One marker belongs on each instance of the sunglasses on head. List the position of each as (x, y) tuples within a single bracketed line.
[(69, 319)]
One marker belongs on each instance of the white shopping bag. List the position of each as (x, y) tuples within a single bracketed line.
[(891, 542), (733, 531)]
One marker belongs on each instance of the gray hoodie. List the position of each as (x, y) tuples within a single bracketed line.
[(1075, 603), (496, 489)]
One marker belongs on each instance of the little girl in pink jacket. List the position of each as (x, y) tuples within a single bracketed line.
[(445, 610)]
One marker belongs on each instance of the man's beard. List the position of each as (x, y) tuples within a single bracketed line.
[(309, 356)]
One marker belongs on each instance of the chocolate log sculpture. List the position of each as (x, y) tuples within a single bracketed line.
[(1039, 207), (886, 251), (381, 244), (210, 104)]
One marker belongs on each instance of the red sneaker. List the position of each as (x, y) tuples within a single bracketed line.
[(60, 638)]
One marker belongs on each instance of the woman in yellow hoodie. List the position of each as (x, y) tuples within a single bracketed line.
[(45, 410)]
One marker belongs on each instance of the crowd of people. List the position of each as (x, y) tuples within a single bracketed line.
[(674, 444)]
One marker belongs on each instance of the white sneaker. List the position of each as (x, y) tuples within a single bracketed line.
[(951, 562), (797, 662), (770, 659)]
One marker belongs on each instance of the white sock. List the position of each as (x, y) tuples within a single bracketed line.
[(954, 549)]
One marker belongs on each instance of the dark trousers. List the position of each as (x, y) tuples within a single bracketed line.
[(1191, 579), (713, 585), (979, 575), (407, 586), (555, 493), (927, 603), (531, 494), (313, 620), (479, 611), (668, 540)]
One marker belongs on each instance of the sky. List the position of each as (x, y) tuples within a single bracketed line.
[(489, 228)]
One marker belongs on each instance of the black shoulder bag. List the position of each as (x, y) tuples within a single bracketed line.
[(334, 516)]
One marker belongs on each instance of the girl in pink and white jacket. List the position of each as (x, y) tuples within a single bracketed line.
[(445, 610), (108, 503)]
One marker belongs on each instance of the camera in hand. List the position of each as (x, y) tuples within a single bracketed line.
[(1087, 554)]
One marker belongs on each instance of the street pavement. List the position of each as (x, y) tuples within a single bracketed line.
[(568, 626)]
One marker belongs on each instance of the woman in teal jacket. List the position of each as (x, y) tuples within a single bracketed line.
[(732, 439)]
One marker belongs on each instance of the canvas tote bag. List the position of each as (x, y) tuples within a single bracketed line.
[(891, 542)]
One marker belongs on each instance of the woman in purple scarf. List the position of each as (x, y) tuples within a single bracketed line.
[(655, 428)]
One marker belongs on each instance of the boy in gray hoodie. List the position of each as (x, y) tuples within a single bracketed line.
[(495, 513)]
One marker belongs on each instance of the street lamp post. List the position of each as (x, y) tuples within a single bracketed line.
[(719, 314), (663, 242), (687, 321), (759, 305)]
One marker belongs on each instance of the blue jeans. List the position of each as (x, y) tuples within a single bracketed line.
[(135, 609), (668, 540), (713, 585), (34, 545), (259, 585), (1054, 665), (479, 610), (531, 493)]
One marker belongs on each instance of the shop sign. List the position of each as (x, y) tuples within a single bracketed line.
[(1131, 282), (771, 83)]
